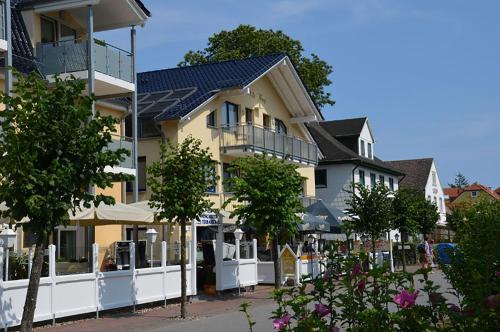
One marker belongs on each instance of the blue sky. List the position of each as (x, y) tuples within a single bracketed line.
[(426, 73)]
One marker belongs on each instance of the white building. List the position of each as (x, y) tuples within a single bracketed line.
[(348, 148), (422, 175)]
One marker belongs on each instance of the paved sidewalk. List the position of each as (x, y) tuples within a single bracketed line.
[(167, 319)]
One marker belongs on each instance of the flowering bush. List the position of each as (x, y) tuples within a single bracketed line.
[(346, 297)]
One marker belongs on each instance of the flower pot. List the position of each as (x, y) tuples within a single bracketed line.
[(209, 289)]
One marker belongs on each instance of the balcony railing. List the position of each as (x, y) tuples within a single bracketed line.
[(122, 142), (71, 56), (306, 201), (257, 139)]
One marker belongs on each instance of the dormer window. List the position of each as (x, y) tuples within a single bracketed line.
[(362, 149), (370, 153)]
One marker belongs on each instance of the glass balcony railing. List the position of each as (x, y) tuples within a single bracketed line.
[(3, 25), (122, 142), (71, 56), (257, 139)]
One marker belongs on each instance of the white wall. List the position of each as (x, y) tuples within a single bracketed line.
[(434, 193), (339, 177), (367, 137)]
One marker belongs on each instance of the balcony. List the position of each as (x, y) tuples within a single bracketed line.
[(127, 166), (3, 28), (241, 140), (113, 66)]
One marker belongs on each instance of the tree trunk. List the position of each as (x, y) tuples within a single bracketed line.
[(403, 255), (32, 293), (183, 270), (277, 272)]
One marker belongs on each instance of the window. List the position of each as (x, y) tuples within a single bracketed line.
[(391, 184), (373, 179), (381, 179), (48, 30), (280, 127), (473, 194), (429, 198), (370, 155), (441, 207), (320, 178), (434, 180), (148, 127), (435, 201), (141, 173), (362, 147), (266, 121), (66, 33), (362, 177), (248, 115), (229, 114), (212, 119), (226, 175), (210, 174)]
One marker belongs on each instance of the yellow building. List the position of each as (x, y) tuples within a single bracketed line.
[(237, 108), (60, 37)]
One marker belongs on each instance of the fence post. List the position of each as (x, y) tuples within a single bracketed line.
[(1, 264), (30, 260), (164, 270), (52, 275), (254, 249), (219, 252), (6, 260), (194, 241), (132, 269), (95, 271)]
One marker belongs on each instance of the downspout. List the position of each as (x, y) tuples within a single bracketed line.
[(354, 169), (8, 65)]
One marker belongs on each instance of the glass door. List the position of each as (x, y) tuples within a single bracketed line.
[(67, 244)]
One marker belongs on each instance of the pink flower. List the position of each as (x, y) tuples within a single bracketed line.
[(493, 301), (335, 329), (281, 323), (361, 285), (321, 310), (497, 273), (356, 270), (406, 299)]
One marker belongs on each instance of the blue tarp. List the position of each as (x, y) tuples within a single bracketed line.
[(443, 250)]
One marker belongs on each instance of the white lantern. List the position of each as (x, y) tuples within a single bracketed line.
[(7, 238), (151, 235), (238, 234)]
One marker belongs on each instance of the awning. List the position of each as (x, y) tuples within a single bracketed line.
[(313, 224), (328, 214), (104, 214)]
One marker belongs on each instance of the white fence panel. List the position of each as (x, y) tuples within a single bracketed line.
[(149, 285), (115, 289), (75, 295), (266, 272), (248, 272)]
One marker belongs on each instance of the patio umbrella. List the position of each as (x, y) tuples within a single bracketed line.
[(328, 214), (104, 214), (313, 224)]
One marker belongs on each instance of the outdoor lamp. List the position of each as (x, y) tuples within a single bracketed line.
[(396, 236), (151, 235), (238, 234), (7, 238)]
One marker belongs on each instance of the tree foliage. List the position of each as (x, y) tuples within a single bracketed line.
[(427, 215), (370, 210), (179, 184), (267, 197), (52, 152), (459, 182), (247, 41)]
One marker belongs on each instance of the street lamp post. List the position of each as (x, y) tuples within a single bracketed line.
[(151, 235), (238, 235), (396, 236)]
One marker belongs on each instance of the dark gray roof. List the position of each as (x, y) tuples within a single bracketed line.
[(27, 3), (335, 152), (205, 80), (417, 172), (345, 127)]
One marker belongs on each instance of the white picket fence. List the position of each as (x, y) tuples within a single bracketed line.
[(305, 268), (63, 296), (239, 272)]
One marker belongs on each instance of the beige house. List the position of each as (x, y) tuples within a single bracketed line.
[(237, 108), (59, 37)]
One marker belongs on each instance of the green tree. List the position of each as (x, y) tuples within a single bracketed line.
[(52, 151), (459, 182), (404, 207), (179, 184), (426, 216), (474, 267), (267, 197), (247, 41), (370, 210)]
